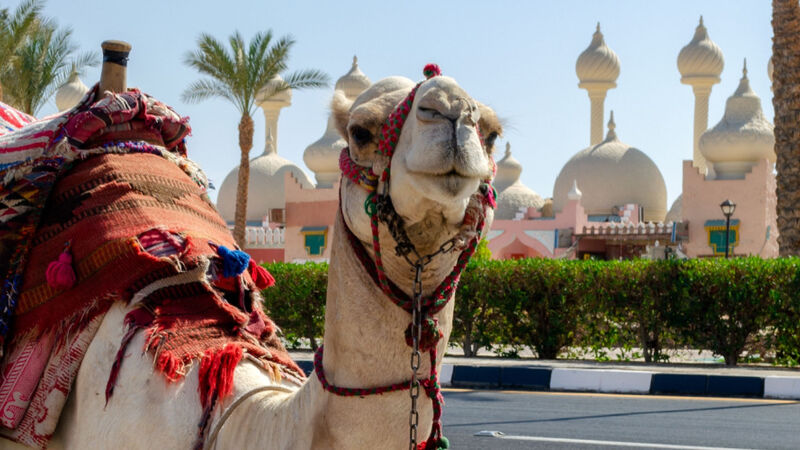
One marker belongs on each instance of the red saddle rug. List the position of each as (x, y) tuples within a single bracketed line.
[(130, 219)]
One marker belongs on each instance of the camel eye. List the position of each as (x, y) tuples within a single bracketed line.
[(489, 141), (428, 113), (361, 136)]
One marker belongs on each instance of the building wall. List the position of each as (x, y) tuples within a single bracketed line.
[(755, 200), (308, 208), (266, 255)]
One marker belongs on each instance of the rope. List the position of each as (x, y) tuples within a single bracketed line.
[(211, 442)]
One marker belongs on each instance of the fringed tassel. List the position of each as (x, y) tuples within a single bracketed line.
[(170, 365), (216, 382), (216, 373), (60, 274), (261, 276), (135, 321), (234, 262)]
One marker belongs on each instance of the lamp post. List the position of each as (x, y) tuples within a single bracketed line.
[(727, 207)]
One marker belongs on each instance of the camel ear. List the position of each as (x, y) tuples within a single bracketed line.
[(340, 108), (491, 126)]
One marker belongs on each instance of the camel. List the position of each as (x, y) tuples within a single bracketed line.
[(439, 169)]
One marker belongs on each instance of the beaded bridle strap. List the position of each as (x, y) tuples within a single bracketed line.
[(473, 219)]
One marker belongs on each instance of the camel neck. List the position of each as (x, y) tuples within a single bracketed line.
[(364, 348)]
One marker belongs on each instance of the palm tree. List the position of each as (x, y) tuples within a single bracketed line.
[(786, 101), (14, 30), (41, 64), (237, 76)]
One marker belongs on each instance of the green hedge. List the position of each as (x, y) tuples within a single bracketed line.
[(727, 306)]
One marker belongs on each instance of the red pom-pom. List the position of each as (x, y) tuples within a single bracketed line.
[(431, 70), (261, 276), (60, 274), (431, 333)]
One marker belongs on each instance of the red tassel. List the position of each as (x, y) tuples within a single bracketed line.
[(216, 373), (261, 276), (60, 274)]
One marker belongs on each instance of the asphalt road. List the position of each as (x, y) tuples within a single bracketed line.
[(596, 421)]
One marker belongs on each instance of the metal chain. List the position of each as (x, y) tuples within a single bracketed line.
[(416, 332)]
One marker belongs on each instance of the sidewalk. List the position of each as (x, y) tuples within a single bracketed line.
[(612, 377)]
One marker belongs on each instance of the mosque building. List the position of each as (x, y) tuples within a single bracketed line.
[(586, 217)]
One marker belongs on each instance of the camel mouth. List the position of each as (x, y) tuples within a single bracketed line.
[(452, 183)]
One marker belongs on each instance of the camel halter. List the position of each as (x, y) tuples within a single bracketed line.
[(423, 333)]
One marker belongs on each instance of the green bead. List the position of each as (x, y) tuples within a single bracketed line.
[(444, 443)]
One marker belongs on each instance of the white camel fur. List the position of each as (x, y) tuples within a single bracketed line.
[(438, 164)]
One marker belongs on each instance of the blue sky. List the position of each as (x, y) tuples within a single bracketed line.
[(517, 56)]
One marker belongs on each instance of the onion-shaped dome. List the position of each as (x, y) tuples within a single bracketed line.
[(701, 59), (612, 174), (598, 64), (515, 196), (71, 92), (508, 171), (322, 157), (354, 82), (272, 94), (265, 190), (743, 136), (675, 213)]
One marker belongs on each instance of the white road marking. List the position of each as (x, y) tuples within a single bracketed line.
[(606, 443)]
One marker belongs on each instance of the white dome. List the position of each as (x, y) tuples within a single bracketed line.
[(265, 189), (701, 58), (508, 171), (675, 213), (743, 136), (598, 64), (71, 92), (322, 157), (354, 82), (282, 98), (613, 174), (513, 196)]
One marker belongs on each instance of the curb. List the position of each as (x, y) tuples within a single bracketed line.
[(538, 378)]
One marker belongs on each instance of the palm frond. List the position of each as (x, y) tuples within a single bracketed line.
[(309, 78), (204, 89)]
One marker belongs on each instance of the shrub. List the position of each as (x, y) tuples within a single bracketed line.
[(297, 300), (730, 302)]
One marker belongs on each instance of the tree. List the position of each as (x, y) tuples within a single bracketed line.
[(42, 63), (14, 30), (237, 76), (786, 101)]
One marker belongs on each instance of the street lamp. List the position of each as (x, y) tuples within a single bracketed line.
[(727, 207)]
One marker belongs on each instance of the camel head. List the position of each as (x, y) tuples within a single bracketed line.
[(442, 155)]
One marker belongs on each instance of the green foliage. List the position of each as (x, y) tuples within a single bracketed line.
[(237, 75), (543, 303), (478, 319), (297, 300), (785, 317), (744, 309), (36, 57), (731, 301)]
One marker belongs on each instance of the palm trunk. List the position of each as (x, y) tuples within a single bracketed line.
[(245, 144), (786, 101)]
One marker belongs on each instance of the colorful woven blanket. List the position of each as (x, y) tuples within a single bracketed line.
[(100, 205)]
